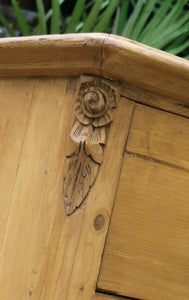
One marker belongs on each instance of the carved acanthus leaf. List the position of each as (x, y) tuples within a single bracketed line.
[(94, 111)]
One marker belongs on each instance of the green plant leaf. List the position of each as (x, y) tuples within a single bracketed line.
[(180, 48), (128, 29), (116, 21), (171, 33), (91, 19), (170, 19), (142, 18), (105, 4), (159, 15), (7, 25), (47, 17), (76, 15), (160, 44), (24, 27), (106, 17), (41, 13), (124, 7), (55, 19), (179, 41)]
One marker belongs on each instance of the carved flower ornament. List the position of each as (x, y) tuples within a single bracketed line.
[(95, 105)]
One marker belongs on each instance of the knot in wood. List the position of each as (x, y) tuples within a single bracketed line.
[(99, 222)]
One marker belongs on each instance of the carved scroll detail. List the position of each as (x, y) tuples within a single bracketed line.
[(95, 105)]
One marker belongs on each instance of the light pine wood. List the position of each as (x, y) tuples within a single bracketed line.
[(146, 67), (51, 55), (37, 211), (77, 275), (100, 296), (160, 135), (155, 100), (15, 102), (50, 252), (46, 254), (95, 107), (96, 54), (147, 251)]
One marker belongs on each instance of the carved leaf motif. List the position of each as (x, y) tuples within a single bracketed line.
[(80, 133), (81, 173), (95, 151), (84, 154), (94, 112)]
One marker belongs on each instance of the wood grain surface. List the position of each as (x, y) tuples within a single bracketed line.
[(155, 100), (160, 135), (51, 55), (46, 254), (15, 102), (29, 236), (91, 232), (147, 250), (100, 296), (96, 54), (145, 67)]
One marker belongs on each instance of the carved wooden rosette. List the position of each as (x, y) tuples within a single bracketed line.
[(95, 105)]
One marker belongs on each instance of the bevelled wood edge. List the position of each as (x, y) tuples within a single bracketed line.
[(51, 55), (146, 67), (97, 54)]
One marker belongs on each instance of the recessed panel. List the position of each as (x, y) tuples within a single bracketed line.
[(147, 251)]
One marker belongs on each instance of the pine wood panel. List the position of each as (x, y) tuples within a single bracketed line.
[(46, 254), (160, 135), (145, 67), (36, 211), (76, 277), (147, 250), (51, 55), (96, 54), (152, 99), (15, 102)]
